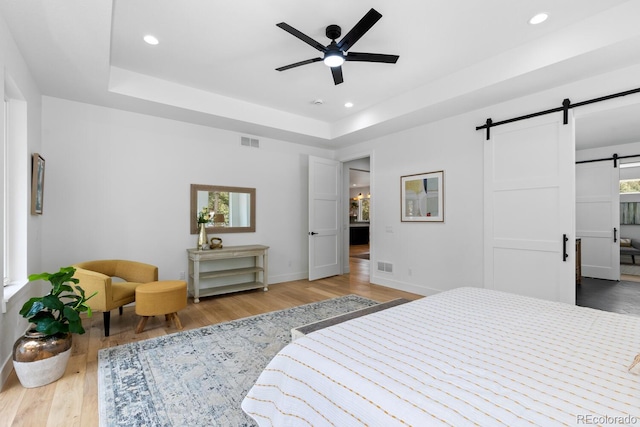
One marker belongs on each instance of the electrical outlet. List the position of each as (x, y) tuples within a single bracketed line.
[(181, 275)]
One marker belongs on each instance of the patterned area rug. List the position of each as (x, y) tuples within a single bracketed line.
[(199, 377)]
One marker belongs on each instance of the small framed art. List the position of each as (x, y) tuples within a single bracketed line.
[(37, 184), (422, 197)]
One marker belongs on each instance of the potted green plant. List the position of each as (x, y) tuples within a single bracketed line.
[(41, 355)]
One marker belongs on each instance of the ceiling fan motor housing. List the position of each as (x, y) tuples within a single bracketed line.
[(333, 31)]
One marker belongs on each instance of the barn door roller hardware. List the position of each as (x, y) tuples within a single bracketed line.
[(566, 104)]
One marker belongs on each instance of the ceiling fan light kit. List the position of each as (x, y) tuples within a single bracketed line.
[(335, 53), (334, 56)]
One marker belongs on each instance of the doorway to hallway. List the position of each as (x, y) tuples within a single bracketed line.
[(358, 205)]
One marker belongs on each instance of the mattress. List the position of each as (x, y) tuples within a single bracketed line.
[(468, 356)]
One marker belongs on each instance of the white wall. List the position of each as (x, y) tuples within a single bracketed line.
[(117, 186), (428, 257), (14, 69)]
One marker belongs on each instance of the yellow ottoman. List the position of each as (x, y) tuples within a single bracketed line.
[(157, 298)]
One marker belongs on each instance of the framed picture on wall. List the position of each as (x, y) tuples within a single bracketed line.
[(37, 184), (422, 197)]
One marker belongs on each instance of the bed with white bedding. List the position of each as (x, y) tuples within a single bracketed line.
[(468, 356)]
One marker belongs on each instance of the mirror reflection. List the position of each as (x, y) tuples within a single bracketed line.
[(223, 209)]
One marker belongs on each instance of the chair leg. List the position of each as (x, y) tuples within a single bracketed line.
[(141, 324), (176, 320), (633, 258), (106, 316), (120, 310)]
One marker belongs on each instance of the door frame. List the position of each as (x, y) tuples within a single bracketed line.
[(345, 212)]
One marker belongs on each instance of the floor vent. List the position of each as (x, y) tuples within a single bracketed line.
[(249, 142), (387, 267)]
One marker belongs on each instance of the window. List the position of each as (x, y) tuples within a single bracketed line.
[(629, 186), (629, 213), (15, 184), (363, 209), (360, 208), (5, 210)]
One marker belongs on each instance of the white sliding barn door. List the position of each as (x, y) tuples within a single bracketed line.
[(325, 177), (598, 219), (529, 201)]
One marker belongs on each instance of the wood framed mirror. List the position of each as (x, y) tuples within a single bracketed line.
[(229, 209)]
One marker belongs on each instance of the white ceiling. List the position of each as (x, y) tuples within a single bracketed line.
[(215, 64), (614, 126), (359, 178)]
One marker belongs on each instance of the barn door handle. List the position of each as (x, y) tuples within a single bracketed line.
[(615, 234), (312, 233), (565, 239)]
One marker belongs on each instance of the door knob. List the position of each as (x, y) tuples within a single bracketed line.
[(312, 233)]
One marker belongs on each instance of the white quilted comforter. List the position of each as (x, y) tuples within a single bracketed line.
[(468, 356)]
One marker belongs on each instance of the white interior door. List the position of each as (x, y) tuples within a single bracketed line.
[(325, 178), (529, 207), (598, 219)]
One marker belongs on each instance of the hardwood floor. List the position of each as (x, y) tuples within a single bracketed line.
[(609, 295), (73, 400)]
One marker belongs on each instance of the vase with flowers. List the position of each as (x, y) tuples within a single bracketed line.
[(204, 217)]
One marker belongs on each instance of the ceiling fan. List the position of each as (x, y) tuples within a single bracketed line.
[(335, 53)]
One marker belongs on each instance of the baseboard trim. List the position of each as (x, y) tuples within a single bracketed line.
[(403, 286), (288, 277), (7, 367)]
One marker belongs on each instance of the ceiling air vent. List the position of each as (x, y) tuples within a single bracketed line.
[(249, 142)]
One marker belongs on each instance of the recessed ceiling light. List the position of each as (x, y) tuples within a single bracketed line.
[(348, 104), (151, 39), (538, 19)]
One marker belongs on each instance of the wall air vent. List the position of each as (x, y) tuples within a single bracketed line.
[(249, 142), (387, 267)]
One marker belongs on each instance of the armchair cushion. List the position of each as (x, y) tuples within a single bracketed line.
[(98, 276)]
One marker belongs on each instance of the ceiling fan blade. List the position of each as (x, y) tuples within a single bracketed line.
[(305, 38), (297, 64), (359, 29), (371, 57), (337, 75)]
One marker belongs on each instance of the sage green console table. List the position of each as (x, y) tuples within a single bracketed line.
[(212, 271)]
